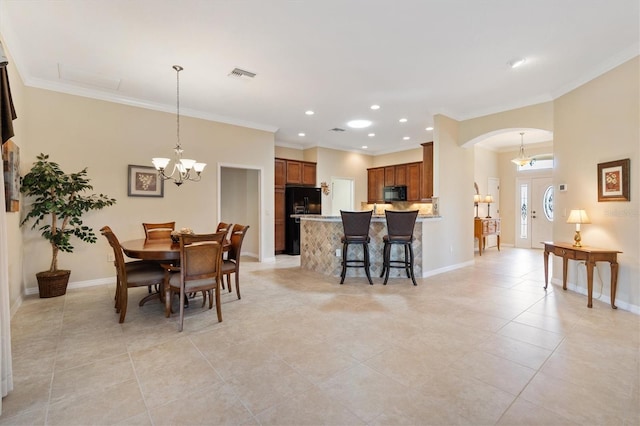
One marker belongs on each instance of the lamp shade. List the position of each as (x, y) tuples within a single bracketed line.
[(476, 198), (578, 216), (488, 199)]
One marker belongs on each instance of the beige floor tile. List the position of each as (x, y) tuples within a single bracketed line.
[(579, 404), (524, 413), (408, 366), (522, 353), (26, 418), (78, 381), (312, 407), (365, 391), (214, 404), (466, 397), (533, 335), (105, 406), (499, 372), (271, 384), (168, 370), (299, 348)]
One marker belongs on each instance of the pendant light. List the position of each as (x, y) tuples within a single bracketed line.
[(182, 167), (523, 159)]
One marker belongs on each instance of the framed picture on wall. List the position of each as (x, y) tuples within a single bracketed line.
[(144, 181), (613, 180), (11, 170)]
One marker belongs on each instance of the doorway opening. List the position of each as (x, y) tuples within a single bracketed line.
[(240, 201)]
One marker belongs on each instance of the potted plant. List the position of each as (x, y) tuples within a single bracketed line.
[(57, 211)]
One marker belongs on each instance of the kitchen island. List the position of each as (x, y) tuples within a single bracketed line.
[(321, 248)]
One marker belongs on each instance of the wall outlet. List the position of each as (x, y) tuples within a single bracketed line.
[(338, 252), (110, 257)]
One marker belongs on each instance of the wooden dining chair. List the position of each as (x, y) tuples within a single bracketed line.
[(231, 265), (154, 231), (138, 273), (200, 270)]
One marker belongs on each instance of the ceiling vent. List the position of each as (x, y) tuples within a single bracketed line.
[(238, 73), (336, 129)]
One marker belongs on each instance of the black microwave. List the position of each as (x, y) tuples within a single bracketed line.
[(395, 193)]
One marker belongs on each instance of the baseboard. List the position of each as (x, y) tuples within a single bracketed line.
[(621, 304), (15, 307), (426, 274)]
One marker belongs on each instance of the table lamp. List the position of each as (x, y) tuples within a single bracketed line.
[(476, 201), (488, 199), (578, 217)]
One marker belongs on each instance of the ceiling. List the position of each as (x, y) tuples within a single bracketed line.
[(414, 58)]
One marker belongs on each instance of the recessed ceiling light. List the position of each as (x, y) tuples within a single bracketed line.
[(301, 134), (515, 63), (359, 124), (428, 129), (371, 135), (406, 138), (374, 107), (364, 147), (403, 120), (309, 112)]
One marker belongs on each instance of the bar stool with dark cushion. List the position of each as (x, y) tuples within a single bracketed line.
[(400, 226), (356, 231)]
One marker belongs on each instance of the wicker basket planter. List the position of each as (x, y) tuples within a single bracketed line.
[(53, 284)]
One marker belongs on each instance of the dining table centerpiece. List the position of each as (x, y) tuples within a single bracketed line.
[(58, 202), (175, 235)]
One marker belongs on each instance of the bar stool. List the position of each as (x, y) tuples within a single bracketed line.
[(356, 231), (399, 231)]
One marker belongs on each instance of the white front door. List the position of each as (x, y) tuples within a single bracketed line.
[(541, 211), (534, 211)]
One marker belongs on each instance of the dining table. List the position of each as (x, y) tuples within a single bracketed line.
[(161, 250)]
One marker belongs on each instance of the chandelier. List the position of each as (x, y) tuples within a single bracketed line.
[(522, 159), (182, 167)]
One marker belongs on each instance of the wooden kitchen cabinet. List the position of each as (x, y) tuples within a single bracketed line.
[(389, 176), (414, 181), (427, 176), (400, 172), (309, 173), (375, 185), (297, 172), (294, 172), (280, 173)]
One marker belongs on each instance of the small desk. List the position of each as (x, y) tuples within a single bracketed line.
[(482, 227), (590, 255)]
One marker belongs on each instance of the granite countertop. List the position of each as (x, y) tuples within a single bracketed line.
[(375, 216)]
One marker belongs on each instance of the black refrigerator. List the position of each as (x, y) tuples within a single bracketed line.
[(299, 200)]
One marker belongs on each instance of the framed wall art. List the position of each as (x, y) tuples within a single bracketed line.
[(613, 180), (11, 170), (144, 181)]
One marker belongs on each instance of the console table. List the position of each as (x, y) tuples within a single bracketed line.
[(590, 255), (482, 227)]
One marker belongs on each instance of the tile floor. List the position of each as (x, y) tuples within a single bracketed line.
[(479, 345)]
